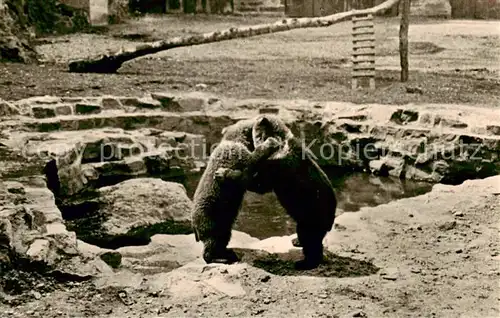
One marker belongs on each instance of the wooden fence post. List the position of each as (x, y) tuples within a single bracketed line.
[(403, 39)]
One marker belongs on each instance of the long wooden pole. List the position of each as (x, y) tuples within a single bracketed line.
[(111, 63), (403, 39)]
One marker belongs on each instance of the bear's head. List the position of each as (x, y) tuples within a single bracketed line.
[(266, 126)]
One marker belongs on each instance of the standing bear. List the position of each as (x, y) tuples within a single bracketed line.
[(301, 186), (219, 194)]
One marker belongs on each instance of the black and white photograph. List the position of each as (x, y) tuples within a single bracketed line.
[(250, 158)]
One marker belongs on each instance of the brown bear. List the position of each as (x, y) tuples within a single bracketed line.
[(220, 192), (301, 186)]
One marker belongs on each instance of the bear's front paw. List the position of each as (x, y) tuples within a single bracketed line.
[(226, 257), (220, 174), (272, 143)]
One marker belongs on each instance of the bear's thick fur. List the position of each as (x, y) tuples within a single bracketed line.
[(220, 192), (301, 186)]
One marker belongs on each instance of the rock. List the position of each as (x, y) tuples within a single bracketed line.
[(388, 166), (64, 110), (7, 109), (358, 313), (403, 116), (43, 111), (148, 103), (414, 90), (36, 295), (269, 110), (6, 238), (14, 187), (377, 167), (188, 102), (110, 102), (39, 250), (452, 123), (87, 108), (458, 214), (390, 274), (491, 129), (448, 225), (143, 202), (113, 259), (6, 233)]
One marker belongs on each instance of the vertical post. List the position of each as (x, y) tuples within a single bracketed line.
[(403, 39)]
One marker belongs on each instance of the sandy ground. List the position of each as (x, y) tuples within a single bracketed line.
[(436, 255), (451, 61)]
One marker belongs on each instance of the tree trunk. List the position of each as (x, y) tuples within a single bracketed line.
[(403, 39), (111, 63)]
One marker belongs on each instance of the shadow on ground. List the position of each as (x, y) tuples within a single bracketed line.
[(282, 264)]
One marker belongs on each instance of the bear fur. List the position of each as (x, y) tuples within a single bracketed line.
[(219, 195), (243, 132), (301, 186)]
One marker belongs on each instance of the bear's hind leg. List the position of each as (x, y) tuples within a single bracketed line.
[(312, 247)]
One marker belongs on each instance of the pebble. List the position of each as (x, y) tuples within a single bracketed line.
[(359, 313), (36, 295), (265, 278), (390, 274), (458, 213), (256, 312), (448, 225)]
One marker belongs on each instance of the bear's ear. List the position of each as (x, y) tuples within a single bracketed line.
[(263, 121)]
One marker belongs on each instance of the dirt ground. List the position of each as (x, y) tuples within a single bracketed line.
[(450, 61), (436, 255)]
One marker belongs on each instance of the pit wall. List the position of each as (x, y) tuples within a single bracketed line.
[(434, 143)]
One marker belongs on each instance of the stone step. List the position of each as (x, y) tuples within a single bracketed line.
[(52, 106), (196, 123)]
